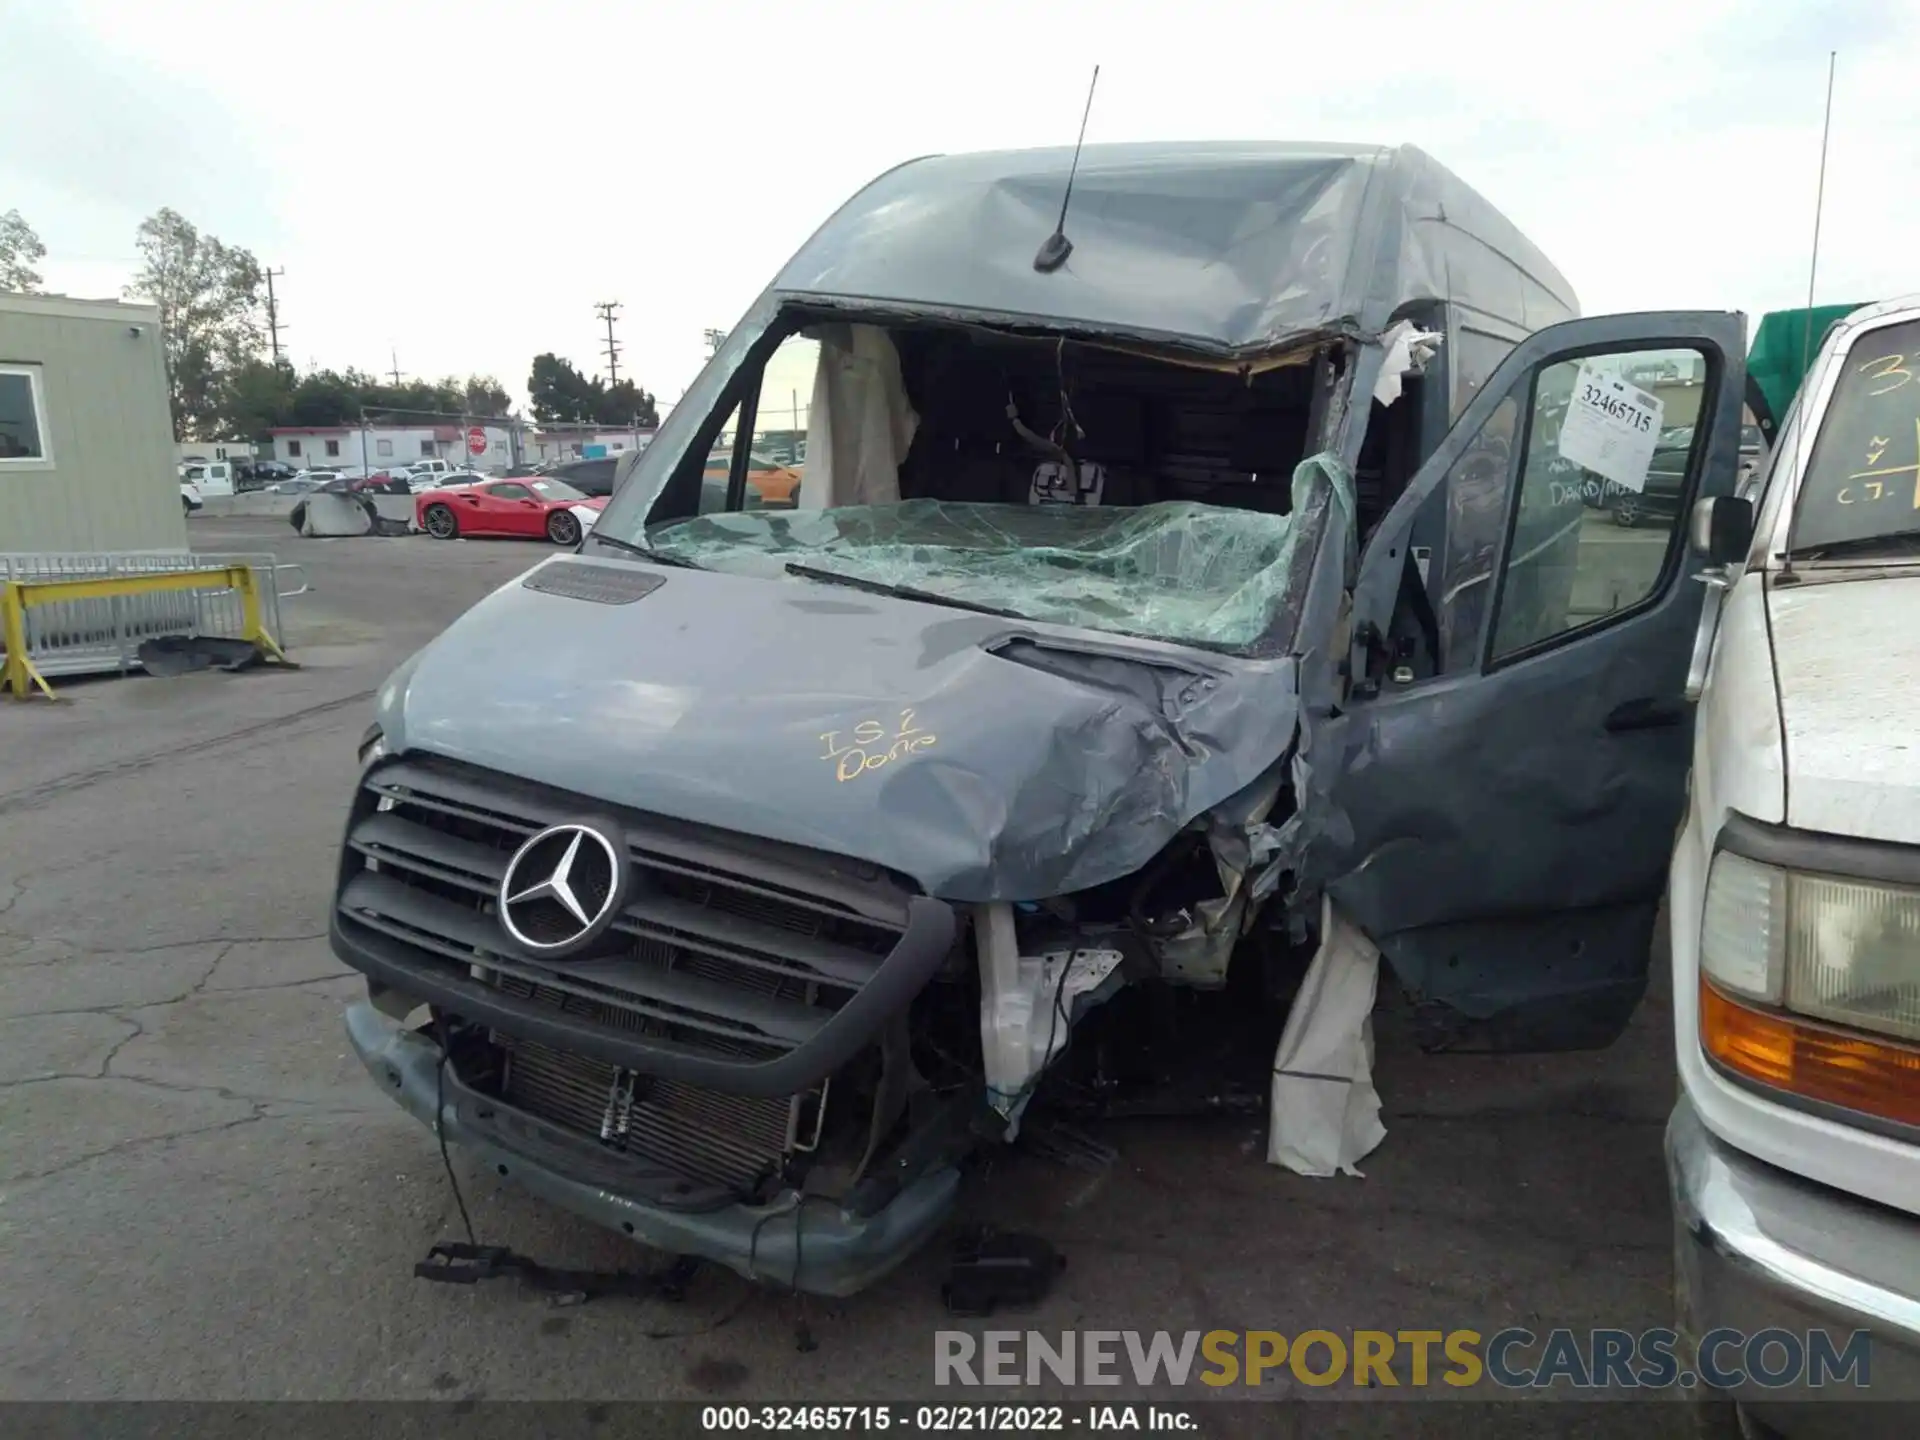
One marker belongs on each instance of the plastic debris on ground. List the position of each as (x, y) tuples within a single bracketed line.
[(990, 1268)]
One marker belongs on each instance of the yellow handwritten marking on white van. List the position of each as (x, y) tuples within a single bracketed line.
[(871, 744)]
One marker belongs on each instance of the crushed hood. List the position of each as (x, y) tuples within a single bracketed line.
[(1846, 654), (984, 758)]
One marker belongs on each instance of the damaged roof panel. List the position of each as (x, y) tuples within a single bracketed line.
[(1227, 246)]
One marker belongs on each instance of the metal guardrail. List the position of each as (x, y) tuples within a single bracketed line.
[(88, 614)]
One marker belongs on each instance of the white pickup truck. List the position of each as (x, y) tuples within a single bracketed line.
[(1794, 897)]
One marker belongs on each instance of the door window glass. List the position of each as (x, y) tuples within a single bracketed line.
[(713, 476), (779, 454), (1477, 489), (1610, 451), (777, 446), (510, 492), (1476, 355)]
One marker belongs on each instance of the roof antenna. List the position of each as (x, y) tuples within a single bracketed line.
[(1056, 247), (1806, 335)]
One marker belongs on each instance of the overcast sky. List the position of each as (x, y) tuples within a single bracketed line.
[(460, 182)]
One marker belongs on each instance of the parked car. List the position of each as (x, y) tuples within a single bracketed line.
[(190, 500), (296, 485), (541, 508), (1793, 1152), (590, 477), (1104, 680), (213, 478), (770, 484), (1659, 496), (380, 482), (430, 465)]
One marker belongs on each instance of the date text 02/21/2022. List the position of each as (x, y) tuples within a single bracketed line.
[(942, 1419)]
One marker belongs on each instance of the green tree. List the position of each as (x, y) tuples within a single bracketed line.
[(558, 392), (256, 396), (209, 294), (627, 404), (20, 251), (486, 396)]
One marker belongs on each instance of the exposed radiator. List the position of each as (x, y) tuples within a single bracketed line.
[(706, 1135)]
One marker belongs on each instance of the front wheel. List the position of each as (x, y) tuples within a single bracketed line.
[(441, 523), (186, 506), (563, 528), (1626, 512)]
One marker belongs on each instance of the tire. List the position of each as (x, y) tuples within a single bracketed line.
[(441, 522), (1626, 511), (563, 528), (186, 506)]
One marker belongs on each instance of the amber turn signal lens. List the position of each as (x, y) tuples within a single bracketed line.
[(1816, 1061)]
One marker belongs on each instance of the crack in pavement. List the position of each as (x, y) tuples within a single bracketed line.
[(86, 952), (35, 795), (114, 1008), (123, 1146)]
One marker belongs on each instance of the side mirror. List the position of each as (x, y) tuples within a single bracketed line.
[(1722, 528)]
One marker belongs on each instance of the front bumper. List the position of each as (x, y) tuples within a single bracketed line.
[(818, 1247), (1758, 1248)]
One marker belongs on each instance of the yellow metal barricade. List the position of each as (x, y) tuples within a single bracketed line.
[(17, 597)]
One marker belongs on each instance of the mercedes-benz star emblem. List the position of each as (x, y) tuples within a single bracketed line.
[(562, 888)]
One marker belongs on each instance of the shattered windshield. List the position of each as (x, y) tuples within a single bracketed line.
[(1861, 491), (1178, 571)]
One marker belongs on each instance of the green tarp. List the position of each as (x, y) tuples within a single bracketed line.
[(1783, 345)]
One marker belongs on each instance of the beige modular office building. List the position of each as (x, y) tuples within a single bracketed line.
[(86, 438)]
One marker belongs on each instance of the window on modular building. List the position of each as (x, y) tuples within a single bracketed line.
[(293, 449), (426, 449), (23, 414), (333, 448), (500, 447), (383, 447)]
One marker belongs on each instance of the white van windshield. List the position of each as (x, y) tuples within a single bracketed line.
[(1861, 491)]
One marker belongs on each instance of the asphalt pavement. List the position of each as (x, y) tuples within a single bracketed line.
[(202, 1196)]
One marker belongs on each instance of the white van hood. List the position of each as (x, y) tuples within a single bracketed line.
[(1847, 654)]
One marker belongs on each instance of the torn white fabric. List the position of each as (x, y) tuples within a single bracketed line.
[(1326, 1113), (1408, 349), (860, 423)]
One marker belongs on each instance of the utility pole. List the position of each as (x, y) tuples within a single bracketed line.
[(394, 356), (715, 338), (273, 315), (607, 310)]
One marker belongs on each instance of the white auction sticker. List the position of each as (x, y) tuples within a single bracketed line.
[(1611, 428)]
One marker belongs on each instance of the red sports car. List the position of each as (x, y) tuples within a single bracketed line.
[(532, 507)]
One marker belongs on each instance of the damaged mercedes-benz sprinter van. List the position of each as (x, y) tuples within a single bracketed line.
[(1158, 581)]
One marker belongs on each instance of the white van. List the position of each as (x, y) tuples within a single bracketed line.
[(1794, 896), (215, 478)]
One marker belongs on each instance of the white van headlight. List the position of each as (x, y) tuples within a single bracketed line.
[(1842, 950)]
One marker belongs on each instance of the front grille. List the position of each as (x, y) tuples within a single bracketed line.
[(730, 949)]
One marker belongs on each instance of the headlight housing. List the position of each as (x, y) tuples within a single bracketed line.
[(1802, 973), (373, 746), (1837, 949)]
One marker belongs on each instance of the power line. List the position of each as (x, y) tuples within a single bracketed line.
[(607, 310), (274, 327)]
